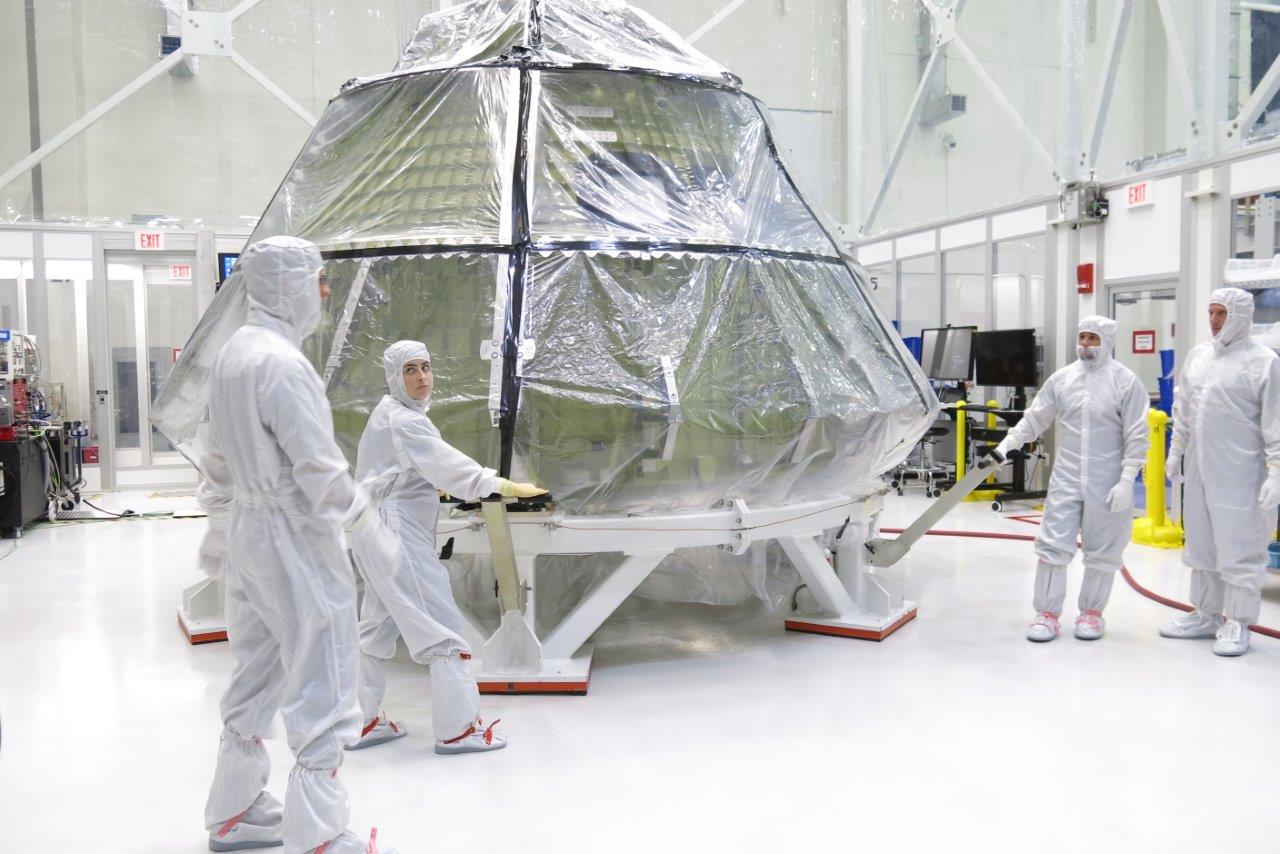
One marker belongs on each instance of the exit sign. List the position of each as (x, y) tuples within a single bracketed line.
[(148, 241), (180, 272), (1138, 195)]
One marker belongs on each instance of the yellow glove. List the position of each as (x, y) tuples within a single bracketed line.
[(510, 489)]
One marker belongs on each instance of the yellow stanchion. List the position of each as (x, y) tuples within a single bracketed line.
[(1155, 529), (962, 449), (962, 429)]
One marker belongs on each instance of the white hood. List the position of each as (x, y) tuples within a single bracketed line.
[(1239, 306), (1105, 328), (280, 283), (393, 362)]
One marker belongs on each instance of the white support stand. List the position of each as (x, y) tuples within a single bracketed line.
[(200, 612), (865, 605), (853, 602)]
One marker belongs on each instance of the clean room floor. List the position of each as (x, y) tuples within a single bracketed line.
[(705, 729)]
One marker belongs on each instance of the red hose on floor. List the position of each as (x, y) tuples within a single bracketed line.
[(1124, 571)]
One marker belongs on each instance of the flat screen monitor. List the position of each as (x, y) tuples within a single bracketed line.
[(1006, 357), (947, 354), (226, 261)]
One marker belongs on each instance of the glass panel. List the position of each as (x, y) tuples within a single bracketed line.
[(966, 284), (783, 377), (123, 344), (918, 284), (1255, 45), (1019, 284), (885, 289), (1153, 311), (171, 316), (11, 278), (445, 302), (626, 157), (1255, 228), (67, 348), (415, 160), (1149, 124)]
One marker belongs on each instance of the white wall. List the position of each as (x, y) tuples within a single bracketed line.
[(214, 147)]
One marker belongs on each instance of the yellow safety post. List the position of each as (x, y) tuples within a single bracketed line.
[(962, 428), (1155, 529), (988, 494)]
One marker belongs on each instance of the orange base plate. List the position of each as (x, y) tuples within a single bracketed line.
[(839, 631)]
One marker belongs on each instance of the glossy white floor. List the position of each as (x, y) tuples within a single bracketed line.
[(703, 731)]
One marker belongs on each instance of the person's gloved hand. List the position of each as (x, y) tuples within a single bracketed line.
[(1269, 495), (376, 548), (1173, 467), (1120, 498), (1005, 448), (511, 489), (213, 548)]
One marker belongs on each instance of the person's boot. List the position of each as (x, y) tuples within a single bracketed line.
[(1043, 628), (476, 739), (380, 729), (1090, 625), (1232, 639)]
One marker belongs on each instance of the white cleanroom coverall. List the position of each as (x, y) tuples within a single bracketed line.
[(404, 463), (1101, 410), (290, 604), (1226, 440)]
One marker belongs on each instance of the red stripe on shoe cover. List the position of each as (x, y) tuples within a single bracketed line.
[(320, 850), (471, 730), (488, 733), (368, 728), (372, 847), (226, 828), (394, 728)]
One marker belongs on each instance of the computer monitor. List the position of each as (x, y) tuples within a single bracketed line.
[(226, 261), (1006, 357), (947, 354)]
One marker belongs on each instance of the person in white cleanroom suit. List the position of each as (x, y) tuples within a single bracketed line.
[(1226, 438), (1101, 409), (274, 472), (404, 463)]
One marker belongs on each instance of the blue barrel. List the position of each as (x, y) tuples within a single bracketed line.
[(1166, 363), (915, 344), (1273, 552), (1166, 396)]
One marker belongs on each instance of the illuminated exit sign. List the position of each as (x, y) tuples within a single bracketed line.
[(180, 272), (148, 241), (1138, 195)]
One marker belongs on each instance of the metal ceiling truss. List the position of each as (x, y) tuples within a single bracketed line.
[(203, 34)]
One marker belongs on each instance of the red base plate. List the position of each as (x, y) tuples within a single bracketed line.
[(202, 637), (850, 632), (578, 688)]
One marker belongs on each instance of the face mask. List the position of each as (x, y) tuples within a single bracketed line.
[(1088, 354)]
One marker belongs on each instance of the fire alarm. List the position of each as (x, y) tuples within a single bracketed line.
[(1084, 278)]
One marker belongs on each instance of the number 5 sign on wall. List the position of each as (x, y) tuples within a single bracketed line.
[(1144, 341)]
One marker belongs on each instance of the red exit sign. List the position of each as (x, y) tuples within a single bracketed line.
[(180, 272), (1138, 195), (148, 241)]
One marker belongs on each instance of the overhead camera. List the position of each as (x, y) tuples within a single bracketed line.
[(948, 140)]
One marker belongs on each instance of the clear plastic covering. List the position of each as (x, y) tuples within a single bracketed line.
[(412, 161), (626, 298), (781, 385), (636, 157), (601, 32)]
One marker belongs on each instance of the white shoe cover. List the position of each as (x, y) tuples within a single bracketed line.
[(1043, 628), (349, 843), (1233, 639), (260, 826), (477, 739), (379, 730), (1090, 625), (1193, 625)]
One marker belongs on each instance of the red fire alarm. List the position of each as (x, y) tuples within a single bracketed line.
[(1084, 278)]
